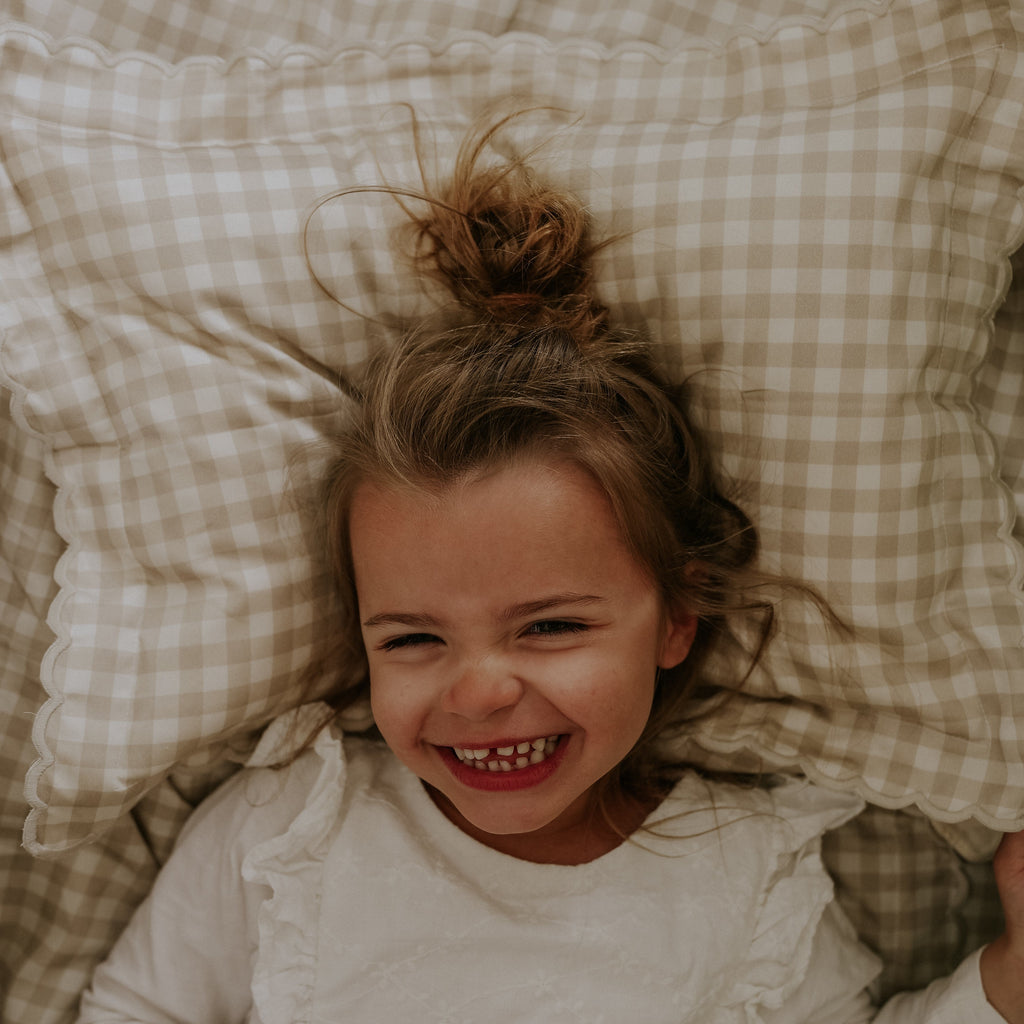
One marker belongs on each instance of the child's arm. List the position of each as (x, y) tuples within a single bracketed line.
[(176, 962), (186, 956), (985, 989), (1002, 963)]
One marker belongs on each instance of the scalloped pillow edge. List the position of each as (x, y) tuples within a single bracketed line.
[(318, 56)]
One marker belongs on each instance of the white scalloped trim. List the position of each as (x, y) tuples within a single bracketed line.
[(318, 56), (55, 619), (1006, 531), (852, 783)]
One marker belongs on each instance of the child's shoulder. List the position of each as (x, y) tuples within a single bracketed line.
[(779, 814), (288, 776)]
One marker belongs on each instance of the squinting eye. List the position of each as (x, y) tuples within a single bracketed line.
[(555, 627), (409, 640)]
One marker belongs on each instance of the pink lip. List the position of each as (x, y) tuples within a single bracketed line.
[(503, 782)]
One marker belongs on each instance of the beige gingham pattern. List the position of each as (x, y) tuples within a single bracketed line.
[(57, 917), (824, 215), (224, 28), (913, 901), (1000, 391)]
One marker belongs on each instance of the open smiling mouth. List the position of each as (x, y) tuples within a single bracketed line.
[(516, 766), (507, 759)]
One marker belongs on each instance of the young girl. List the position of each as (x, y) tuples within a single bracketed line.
[(536, 557)]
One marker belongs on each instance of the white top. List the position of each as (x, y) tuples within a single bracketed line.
[(334, 890)]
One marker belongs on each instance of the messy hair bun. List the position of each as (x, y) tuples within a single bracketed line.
[(509, 248)]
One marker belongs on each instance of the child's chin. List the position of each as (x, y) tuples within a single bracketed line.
[(470, 817)]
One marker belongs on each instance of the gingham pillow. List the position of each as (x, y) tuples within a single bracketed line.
[(824, 213)]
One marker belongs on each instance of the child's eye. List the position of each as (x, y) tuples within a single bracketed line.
[(555, 627), (396, 643)]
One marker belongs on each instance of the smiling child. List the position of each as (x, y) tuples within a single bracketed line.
[(535, 555)]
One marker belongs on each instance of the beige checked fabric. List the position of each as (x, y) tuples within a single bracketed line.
[(999, 395), (819, 200), (918, 905), (57, 917), (225, 28), (821, 219)]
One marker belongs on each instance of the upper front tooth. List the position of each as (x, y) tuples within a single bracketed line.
[(542, 743)]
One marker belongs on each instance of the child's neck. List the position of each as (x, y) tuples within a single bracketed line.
[(591, 838)]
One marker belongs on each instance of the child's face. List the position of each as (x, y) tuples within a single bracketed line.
[(507, 615)]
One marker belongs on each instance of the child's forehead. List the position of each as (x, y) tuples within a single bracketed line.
[(528, 475), (540, 501), (489, 542)]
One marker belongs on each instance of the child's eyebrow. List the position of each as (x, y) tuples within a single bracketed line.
[(528, 608), (516, 611), (401, 619)]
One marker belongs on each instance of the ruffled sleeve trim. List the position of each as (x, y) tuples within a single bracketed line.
[(290, 866), (792, 903)]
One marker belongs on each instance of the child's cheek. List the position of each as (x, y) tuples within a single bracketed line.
[(401, 695)]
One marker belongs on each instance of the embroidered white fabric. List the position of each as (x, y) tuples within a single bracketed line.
[(336, 890)]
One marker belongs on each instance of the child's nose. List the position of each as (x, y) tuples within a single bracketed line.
[(482, 687)]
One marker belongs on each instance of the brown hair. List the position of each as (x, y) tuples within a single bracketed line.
[(526, 364)]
